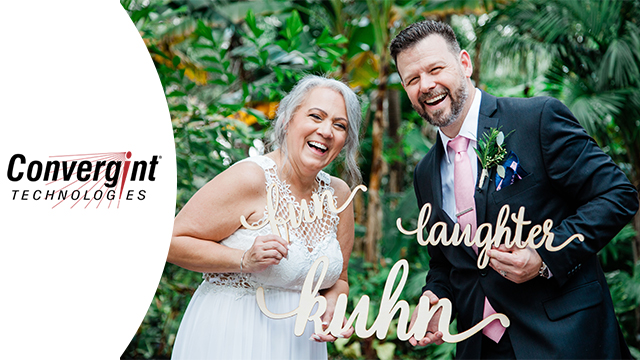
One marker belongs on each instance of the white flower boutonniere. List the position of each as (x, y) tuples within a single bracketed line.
[(491, 153)]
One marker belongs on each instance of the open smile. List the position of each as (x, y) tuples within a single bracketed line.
[(434, 99), (317, 147)]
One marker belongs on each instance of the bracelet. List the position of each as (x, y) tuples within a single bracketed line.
[(242, 259)]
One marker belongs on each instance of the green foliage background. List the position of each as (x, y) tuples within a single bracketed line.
[(224, 65)]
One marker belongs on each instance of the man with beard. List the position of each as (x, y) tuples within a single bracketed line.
[(558, 303)]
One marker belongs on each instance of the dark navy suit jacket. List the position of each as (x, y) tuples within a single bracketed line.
[(570, 181)]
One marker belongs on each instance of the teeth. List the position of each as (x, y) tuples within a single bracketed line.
[(318, 145), (436, 99)]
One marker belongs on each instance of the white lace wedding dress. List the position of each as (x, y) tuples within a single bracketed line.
[(223, 320)]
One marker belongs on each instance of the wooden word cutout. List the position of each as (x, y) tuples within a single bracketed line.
[(438, 233), (389, 306), (272, 202)]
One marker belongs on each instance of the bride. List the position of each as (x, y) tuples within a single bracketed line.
[(316, 121)]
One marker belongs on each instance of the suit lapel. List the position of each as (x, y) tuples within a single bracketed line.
[(437, 188), (487, 119)]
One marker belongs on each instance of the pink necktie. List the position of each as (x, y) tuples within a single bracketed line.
[(463, 189)]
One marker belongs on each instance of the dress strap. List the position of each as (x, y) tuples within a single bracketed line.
[(264, 162), (324, 181)]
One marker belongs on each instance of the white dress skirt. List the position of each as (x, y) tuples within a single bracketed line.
[(223, 320)]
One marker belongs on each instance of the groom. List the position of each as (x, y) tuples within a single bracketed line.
[(558, 302)]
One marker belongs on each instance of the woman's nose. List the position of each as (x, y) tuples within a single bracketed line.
[(325, 129)]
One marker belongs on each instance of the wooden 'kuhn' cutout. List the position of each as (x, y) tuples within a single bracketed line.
[(390, 305)]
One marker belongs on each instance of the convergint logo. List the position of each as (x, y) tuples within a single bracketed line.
[(83, 179)]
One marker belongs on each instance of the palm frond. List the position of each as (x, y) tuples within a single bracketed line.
[(594, 110), (619, 64)]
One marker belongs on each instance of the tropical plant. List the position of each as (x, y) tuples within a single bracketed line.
[(593, 53)]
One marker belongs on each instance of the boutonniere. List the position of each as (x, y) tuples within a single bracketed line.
[(491, 152)]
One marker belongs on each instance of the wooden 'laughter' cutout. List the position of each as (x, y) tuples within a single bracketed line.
[(438, 233)]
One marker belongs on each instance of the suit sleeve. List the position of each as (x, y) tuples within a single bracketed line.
[(439, 267), (591, 182)]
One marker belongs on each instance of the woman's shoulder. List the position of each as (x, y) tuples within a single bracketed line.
[(340, 188)]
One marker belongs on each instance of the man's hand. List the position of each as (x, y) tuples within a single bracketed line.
[(515, 264), (433, 336)]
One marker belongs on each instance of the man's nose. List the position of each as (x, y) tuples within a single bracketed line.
[(427, 83)]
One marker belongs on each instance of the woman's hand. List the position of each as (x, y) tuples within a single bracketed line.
[(331, 294), (328, 337), (266, 250)]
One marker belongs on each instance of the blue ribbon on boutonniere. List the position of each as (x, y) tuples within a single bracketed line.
[(510, 172)]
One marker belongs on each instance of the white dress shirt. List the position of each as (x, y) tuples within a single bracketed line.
[(469, 130)]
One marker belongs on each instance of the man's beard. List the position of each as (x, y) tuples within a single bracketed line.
[(457, 104)]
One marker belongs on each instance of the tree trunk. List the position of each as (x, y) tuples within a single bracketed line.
[(396, 174), (475, 76), (374, 208), (380, 15), (360, 206)]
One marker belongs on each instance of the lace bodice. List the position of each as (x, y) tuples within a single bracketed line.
[(307, 242)]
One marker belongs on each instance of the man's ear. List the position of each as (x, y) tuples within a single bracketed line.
[(467, 65), (401, 80)]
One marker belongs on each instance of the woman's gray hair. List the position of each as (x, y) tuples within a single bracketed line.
[(291, 103)]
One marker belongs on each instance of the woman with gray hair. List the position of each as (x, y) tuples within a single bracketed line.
[(316, 121)]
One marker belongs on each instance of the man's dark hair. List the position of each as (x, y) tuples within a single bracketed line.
[(415, 32)]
